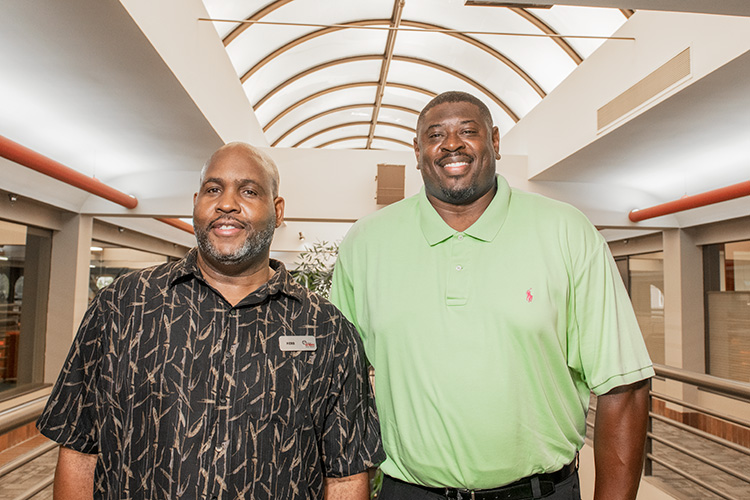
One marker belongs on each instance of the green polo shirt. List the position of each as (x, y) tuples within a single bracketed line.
[(486, 342)]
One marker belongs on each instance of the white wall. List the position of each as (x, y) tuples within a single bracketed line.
[(565, 121), (194, 52)]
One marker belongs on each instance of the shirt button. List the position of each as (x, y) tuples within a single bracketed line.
[(460, 237), (459, 267)]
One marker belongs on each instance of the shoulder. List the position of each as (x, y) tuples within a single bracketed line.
[(152, 279), (539, 210), (383, 222), (545, 206), (557, 225)]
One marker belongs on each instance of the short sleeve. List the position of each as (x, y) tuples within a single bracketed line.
[(351, 435), (342, 290), (70, 417), (611, 348)]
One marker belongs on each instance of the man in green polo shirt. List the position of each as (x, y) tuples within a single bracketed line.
[(489, 315)]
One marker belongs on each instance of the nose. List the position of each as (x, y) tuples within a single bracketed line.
[(227, 202), (452, 142)]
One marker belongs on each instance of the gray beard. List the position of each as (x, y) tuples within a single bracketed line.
[(256, 244)]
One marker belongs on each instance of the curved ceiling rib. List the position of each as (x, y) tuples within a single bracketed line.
[(412, 24), (254, 16), (310, 71), (390, 47), (413, 60), (545, 28), (480, 45), (344, 86), (465, 78), (364, 137), (340, 108), (464, 42), (352, 124)]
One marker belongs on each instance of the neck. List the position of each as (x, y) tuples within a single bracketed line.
[(235, 282), (461, 217)]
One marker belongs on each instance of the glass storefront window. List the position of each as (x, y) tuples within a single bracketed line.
[(25, 254), (646, 283), (108, 262), (727, 285)]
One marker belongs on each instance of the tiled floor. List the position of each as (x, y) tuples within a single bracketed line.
[(42, 468), (31, 475), (684, 489)]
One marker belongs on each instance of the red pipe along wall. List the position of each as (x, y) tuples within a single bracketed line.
[(698, 200), (35, 161)]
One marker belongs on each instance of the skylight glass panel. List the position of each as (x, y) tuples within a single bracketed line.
[(348, 116), (397, 116), (406, 98), (344, 131), (390, 145), (569, 20), (349, 144), (442, 82), (327, 49), (385, 130), (364, 96), (231, 9)]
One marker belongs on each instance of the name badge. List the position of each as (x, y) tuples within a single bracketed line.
[(297, 343)]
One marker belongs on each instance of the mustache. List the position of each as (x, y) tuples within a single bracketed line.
[(451, 157), (225, 219)]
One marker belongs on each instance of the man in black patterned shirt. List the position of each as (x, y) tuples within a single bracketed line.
[(216, 376)]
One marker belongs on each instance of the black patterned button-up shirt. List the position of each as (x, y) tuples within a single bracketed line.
[(183, 396)]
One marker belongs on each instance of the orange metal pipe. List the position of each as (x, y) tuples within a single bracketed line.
[(698, 200), (179, 224), (35, 161)]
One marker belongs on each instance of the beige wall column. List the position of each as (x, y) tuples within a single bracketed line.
[(684, 335), (68, 289), (684, 328)]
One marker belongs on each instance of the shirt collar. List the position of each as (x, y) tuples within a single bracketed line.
[(436, 230), (281, 281)]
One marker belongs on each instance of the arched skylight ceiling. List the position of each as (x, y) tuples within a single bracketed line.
[(344, 74)]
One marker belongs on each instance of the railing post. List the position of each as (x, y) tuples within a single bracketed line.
[(648, 464)]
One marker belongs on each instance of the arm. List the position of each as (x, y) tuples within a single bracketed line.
[(356, 487), (74, 476), (619, 440)]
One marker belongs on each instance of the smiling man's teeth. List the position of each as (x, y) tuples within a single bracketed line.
[(456, 164), (226, 227)]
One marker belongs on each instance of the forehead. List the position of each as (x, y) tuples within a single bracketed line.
[(237, 164), (451, 111)]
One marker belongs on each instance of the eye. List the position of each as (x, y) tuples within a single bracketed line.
[(249, 192), (212, 189)]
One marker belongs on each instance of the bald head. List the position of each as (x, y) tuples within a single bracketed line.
[(253, 154)]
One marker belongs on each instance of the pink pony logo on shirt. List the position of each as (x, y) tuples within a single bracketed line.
[(529, 296)]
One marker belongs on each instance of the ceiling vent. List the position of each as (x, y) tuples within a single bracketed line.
[(645, 90), (391, 180)]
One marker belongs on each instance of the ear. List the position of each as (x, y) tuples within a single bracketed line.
[(416, 151), (195, 198), (278, 205), (496, 142)]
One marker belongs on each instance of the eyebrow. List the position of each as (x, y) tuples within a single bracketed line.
[(463, 122), (238, 182)]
